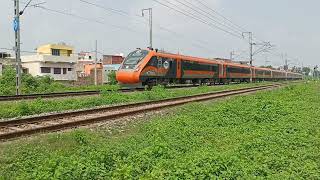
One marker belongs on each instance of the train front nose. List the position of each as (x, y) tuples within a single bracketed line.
[(127, 77)]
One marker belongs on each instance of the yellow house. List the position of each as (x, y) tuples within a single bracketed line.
[(60, 49)]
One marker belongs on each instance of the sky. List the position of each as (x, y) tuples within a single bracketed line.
[(290, 25)]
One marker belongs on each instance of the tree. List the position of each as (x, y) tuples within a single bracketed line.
[(269, 67), (306, 71), (7, 81)]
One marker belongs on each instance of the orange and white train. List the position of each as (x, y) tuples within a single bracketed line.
[(151, 67)]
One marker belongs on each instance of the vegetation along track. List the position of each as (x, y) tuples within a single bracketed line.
[(54, 122), (75, 93)]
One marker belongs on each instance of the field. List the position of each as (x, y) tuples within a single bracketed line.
[(23, 108), (272, 134)]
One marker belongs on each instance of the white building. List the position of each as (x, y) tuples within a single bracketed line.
[(58, 67), (0, 69), (53, 60)]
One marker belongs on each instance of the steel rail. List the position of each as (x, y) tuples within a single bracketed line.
[(54, 122), (74, 93)]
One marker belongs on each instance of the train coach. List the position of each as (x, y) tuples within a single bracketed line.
[(151, 67)]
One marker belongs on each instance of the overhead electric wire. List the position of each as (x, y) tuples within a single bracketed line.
[(124, 13), (112, 10), (190, 15), (226, 19), (222, 16), (102, 23), (207, 15), (87, 19), (177, 9)]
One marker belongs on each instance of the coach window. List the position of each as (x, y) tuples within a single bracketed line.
[(159, 62), (153, 61)]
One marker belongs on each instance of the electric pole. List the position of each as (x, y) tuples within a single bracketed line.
[(16, 27), (150, 23), (95, 63), (231, 55), (251, 52)]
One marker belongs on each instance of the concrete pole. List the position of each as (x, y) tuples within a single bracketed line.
[(17, 46), (95, 63), (251, 56), (150, 24), (251, 52), (150, 19)]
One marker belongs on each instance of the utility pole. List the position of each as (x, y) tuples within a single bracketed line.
[(150, 23), (16, 27), (95, 63), (251, 52), (231, 55), (286, 65)]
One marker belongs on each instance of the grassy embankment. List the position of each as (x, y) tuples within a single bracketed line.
[(274, 135), (41, 84), (22, 108)]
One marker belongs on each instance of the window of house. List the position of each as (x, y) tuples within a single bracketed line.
[(64, 70), (25, 70), (69, 69), (45, 70), (57, 70), (55, 52), (69, 52)]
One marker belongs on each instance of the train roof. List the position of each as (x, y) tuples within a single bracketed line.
[(216, 61)]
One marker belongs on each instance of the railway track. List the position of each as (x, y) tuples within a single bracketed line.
[(75, 93), (55, 122)]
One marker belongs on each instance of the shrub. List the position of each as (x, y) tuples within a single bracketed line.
[(112, 78)]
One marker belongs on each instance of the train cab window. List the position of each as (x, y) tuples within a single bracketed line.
[(134, 58)]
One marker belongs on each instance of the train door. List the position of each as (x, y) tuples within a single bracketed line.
[(221, 71), (179, 71), (171, 66)]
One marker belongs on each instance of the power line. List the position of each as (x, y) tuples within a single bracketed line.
[(124, 13), (115, 11), (226, 19), (86, 19), (193, 16), (222, 16), (207, 15)]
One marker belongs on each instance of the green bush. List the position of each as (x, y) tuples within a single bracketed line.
[(112, 78), (41, 84)]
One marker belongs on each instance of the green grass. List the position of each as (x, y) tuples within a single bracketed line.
[(270, 135), (23, 108)]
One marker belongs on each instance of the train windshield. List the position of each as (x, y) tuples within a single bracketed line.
[(135, 57)]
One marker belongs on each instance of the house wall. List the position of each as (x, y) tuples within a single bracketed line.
[(89, 68), (111, 59), (34, 63), (46, 49), (34, 68)]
